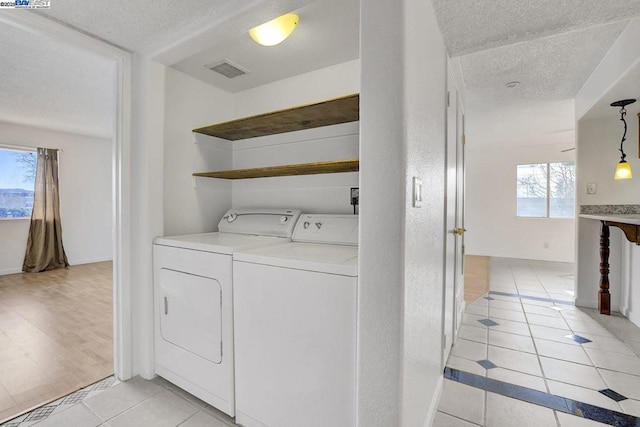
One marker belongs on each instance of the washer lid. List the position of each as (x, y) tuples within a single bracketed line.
[(260, 222), (222, 243), (321, 258)]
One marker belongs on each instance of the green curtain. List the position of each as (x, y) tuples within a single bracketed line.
[(44, 246)]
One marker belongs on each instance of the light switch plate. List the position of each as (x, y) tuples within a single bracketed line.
[(417, 192), (591, 188)]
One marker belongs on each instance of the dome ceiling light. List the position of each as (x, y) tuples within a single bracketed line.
[(275, 31)]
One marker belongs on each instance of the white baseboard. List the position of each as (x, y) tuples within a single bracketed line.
[(73, 262), (89, 260), (10, 271), (433, 407), (633, 317), (589, 303)]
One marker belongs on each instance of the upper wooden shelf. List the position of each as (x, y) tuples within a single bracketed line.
[(336, 166), (332, 112)]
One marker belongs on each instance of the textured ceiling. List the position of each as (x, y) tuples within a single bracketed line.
[(47, 84), (551, 71), (550, 46), (142, 25), (327, 34), (470, 26)]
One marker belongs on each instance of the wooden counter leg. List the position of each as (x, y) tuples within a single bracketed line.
[(604, 298)]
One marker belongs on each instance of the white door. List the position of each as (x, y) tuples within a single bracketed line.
[(460, 188), (454, 246), (450, 243)]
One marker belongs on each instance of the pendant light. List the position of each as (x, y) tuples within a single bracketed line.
[(275, 31), (623, 171)]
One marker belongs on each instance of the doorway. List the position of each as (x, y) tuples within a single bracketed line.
[(454, 218), (119, 221)]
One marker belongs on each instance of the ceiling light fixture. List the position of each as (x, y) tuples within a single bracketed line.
[(275, 31), (623, 170), (513, 84)]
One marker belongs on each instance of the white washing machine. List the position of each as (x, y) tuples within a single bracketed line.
[(193, 296), (295, 327)]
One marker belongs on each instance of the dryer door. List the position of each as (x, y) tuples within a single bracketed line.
[(191, 313)]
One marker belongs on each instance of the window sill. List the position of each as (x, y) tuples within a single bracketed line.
[(14, 219), (546, 217)]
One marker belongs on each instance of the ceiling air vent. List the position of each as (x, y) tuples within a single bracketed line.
[(227, 69)]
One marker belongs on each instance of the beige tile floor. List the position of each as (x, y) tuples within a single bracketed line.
[(529, 349), (135, 403), (529, 346), (55, 334)]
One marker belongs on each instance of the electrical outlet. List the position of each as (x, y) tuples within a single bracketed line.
[(591, 188), (355, 196)]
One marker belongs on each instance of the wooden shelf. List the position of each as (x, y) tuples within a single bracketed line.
[(337, 166), (332, 112)]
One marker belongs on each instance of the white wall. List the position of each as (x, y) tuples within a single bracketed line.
[(401, 248), (425, 135), (630, 294), (194, 205), (85, 196), (382, 207), (325, 193), (598, 156), (315, 86), (147, 150), (493, 229)]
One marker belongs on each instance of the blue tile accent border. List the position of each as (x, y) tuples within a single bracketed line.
[(557, 403), (486, 364), (578, 339), (613, 395), (555, 301), (488, 322)]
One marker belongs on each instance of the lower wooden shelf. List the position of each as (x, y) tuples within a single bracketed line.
[(337, 166)]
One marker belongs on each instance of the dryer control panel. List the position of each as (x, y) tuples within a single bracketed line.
[(329, 229)]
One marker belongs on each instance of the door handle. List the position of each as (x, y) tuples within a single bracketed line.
[(459, 231), (166, 306)]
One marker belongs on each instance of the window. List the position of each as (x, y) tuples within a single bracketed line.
[(546, 190), (17, 177)]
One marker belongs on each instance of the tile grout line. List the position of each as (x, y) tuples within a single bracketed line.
[(535, 347), (548, 400), (564, 316), (458, 418)]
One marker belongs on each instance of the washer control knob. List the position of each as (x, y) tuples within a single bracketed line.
[(232, 217), (319, 225), (284, 219), (306, 224)]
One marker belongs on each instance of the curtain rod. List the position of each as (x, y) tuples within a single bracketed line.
[(25, 148)]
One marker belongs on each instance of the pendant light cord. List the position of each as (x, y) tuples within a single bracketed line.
[(623, 113)]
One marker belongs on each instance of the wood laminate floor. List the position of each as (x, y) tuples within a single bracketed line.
[(56, 334), (477, 270)]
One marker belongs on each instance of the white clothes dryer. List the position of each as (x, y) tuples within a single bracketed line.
[(295, 312), (193, 300)]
